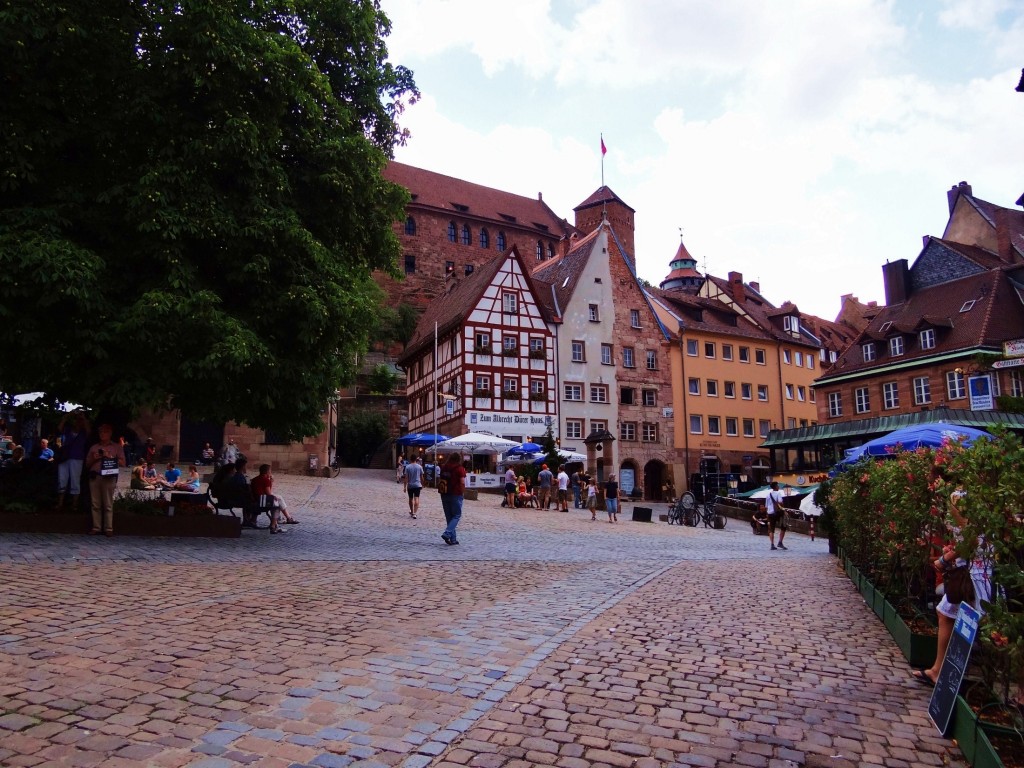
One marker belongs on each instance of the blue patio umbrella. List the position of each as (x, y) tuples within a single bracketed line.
[(420, 439), (911, 438), (525, 448)]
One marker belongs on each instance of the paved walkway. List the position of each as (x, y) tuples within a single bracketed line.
[(360, 638)]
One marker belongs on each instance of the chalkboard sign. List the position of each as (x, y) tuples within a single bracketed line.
[(954, 665)]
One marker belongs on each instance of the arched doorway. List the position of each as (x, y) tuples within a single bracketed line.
[(654, 480)]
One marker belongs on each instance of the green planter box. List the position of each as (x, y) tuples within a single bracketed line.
[(919, 650), (971, 737), (878, 604)]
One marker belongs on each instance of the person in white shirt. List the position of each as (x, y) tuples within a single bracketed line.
[(413, 473), (563, 489), (776, 516)]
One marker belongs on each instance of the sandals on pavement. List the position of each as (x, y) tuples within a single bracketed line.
[(922, 677)]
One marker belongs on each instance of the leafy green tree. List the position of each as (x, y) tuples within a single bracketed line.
[(381, 380), (191, 201)]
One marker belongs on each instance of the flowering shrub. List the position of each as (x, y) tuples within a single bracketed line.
[(892, 516)]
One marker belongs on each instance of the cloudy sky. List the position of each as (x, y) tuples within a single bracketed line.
[(802, 143)]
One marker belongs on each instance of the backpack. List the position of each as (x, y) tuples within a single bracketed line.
[(442, 485)]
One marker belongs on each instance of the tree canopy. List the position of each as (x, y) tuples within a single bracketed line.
[(191, 201)]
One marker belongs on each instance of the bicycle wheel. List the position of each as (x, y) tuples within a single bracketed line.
[(691, 517), (687, 501), (675, 514)]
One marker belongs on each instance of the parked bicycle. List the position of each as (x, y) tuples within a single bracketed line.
[(705, 513), (683, 506)]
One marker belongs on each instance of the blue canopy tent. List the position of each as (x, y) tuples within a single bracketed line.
[(524, 448), (420, 439), (910, 439)]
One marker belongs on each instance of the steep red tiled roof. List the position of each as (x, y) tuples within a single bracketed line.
[(468, 200), (601, 196), (451, 309), (563, 272), (762, 311), (699, 313)]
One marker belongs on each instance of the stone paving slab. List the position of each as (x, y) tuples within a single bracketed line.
[(361, 639)]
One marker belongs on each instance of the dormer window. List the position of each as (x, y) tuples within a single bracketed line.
[(927, 337), (896, 346), (867, 352)]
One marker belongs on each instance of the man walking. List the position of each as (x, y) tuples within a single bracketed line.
[(563, 489), (776, 516), (545, 478), (510, 487), (451, 484), (414, 484)]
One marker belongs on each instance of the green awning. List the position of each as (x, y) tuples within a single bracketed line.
[(865, 429)]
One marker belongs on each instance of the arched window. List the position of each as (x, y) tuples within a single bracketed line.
[(501, 241), (467, 236), (451, 232), (410, 225), (551, 251), (540, 251), (485, 239)]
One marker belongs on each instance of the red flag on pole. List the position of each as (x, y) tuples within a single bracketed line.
[(604, 149)]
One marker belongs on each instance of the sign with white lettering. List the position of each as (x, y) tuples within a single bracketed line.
[(1011, 363)]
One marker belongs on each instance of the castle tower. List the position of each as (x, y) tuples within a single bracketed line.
[(683, 275), (605, 203)]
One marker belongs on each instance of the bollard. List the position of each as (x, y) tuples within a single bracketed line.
[(812, 529)]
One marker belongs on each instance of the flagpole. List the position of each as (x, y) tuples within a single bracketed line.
[(603, 150)]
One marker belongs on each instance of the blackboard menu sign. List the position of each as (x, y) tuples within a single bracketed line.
[(954, 665)]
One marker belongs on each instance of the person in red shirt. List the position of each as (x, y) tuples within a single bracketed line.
[(263, 485), (451, 484)]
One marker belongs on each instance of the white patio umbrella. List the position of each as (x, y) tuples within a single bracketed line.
[(476, 442), (808, 507), (28, 397)]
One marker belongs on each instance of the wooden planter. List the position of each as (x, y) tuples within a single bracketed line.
[(212, 526)]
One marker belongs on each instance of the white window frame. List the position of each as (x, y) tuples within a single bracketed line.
[(729, 390), (732, 426), (607, 357), (747, 390), (890, 395), (896, 346), (762, 393), (727, 351), (599, 393), (761, 356), (578, 351), (922, 390), (748, 423), (628, 358), (692, 348), (789, 391), (744, 355), (711, 387), (572, 391), (574, 429), (595, 313), (867, 352), (861, 400), (764, 426), (649, 398), (482, 341), (649, 432), (835, 405), (634, 318), (627, 430), (956, 385), (509, 303), (709, 347), (787, 356), (693, 386), (714, 425), (927, 338), (652, 360), (696, 420)]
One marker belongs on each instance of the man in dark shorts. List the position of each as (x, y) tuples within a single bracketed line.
[(776, 516), (414, 484)]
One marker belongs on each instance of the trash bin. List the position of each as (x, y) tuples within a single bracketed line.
[(642, 514)]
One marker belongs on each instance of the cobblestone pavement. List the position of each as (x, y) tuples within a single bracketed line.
[(361, 639)]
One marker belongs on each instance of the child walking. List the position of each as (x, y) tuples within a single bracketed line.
[(592, 498)]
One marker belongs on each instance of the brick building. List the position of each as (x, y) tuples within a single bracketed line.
[(613, 358), (947, 317)]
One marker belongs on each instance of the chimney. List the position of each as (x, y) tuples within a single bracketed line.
[(896, 276), (1004, 244), (955, 191), (736, 287), (755, 286)]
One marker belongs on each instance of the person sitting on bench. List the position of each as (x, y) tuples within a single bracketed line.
[(263, 485)]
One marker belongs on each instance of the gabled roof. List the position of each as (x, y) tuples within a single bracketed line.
[(996, 315), (451, 309), (563, 272), (1014, 219), (699, 313), (762, 312), (463, 198)]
